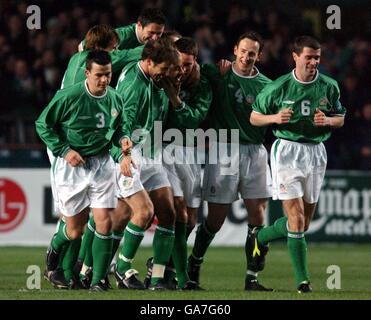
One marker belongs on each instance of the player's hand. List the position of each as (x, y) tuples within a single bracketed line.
[(284, 116), (73, 158), (224, 66), (126, 146), (125, 166), (320, 119), (169, 87)]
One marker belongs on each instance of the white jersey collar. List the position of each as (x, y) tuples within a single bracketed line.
[(92, 95), (240, 75), (304, 82)]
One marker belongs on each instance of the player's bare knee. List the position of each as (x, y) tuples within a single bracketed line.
[(104, 225), (75, 233)]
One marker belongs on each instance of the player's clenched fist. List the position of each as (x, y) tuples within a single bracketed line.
[(125, 166), (320, 119), (73, 158), (284, 116)]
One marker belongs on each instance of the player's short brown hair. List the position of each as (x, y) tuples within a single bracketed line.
[(151, 15), (100, 37), (305, 41), (159, 51), (100, 57), (252, 35), (187, 45)]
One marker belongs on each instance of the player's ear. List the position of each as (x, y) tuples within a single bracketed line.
[(87, 72), (235, 50), (295, 56), (259, 56)]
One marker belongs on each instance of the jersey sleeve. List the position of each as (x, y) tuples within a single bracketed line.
[(48, 122), (190, 115), (337, 109), (211, 72), (264, 102), (120, 58)]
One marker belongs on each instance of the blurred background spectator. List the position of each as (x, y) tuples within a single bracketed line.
[(32, 62)]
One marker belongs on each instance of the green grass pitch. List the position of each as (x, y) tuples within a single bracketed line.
[(222, 275)]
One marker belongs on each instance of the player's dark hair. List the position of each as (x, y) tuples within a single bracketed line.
[(168, 34), (159, 51), (187, 45), (252, 35), (100, 37), (151, 15), (305, 41), (100, 57)]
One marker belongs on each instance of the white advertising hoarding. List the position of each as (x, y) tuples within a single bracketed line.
[(27, 218)]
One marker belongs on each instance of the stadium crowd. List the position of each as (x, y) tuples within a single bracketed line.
[(32, 62)]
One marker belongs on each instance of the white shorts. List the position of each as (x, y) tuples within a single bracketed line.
[(127, 186), (298, 170), (184, 175), (149, 175), (75, 188), (251, 176)]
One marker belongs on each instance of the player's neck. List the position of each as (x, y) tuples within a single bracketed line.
[(144, 68), (303, 77), (95, 92), (249, 72)]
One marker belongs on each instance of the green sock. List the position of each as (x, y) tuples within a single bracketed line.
[(85, 253), (179, 254), (298, 252), (274, 232), (102, 250), (60, 238), (251, 275), (163, 242), (202, 242), (132, 238), (70, 258), (116, 240)]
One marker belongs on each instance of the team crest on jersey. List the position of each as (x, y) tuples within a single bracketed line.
[(114, 113), (323, 101), (250, 99), (127, 183), (282, 188)]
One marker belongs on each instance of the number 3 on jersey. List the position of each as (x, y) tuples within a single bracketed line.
[(305, 108), (101, 123)]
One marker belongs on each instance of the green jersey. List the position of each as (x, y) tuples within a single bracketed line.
[(75, 71), (128, 38), (75, 119), (144, 103), (304, 98), (196, 101), (233, 96)]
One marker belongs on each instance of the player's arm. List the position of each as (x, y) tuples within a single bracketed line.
[(321, 120), (120, 58), (260, 120), (335, 117), (265, 113), (47, 124)]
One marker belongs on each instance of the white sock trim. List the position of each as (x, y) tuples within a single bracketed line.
[(123, 258), (251, 273)]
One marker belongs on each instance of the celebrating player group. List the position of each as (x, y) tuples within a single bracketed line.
[(111, 173)]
